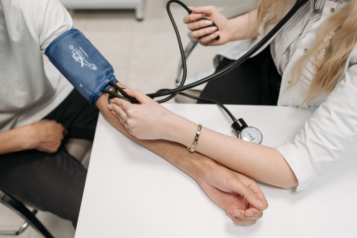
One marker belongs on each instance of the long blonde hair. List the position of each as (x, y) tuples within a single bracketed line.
[(335, 40)]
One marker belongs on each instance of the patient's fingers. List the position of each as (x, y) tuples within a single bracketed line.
[(242, 222), (255, 187), (253, 212), (248, 216)]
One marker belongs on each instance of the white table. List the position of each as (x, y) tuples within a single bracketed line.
[(132, 193)]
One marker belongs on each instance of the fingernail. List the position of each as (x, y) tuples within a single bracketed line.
[(259, 203), (236, 214), (250, 214), (213, 28), (218, 32), (110, 107), (128, 90), (208, 23), (112, 100), (114, 112)]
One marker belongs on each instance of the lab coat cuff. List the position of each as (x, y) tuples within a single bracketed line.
[(302, 169)]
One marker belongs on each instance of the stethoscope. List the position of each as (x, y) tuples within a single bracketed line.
[(239, 126)]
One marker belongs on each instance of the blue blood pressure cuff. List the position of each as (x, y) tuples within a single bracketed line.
[(81, 63)]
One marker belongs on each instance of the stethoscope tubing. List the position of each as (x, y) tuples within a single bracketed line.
[(251, 52)]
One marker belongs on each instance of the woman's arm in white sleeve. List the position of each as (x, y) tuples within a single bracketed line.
[(323, 140), (328, 135)]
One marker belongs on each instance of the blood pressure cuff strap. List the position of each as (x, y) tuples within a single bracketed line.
[(81, 63)]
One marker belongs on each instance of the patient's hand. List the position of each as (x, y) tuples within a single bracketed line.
[(200, 30), (236, 194), (46, 135)]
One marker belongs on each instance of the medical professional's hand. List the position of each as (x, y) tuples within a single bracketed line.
[(236, 194), (147, 120), (46, 135), (200, 30)]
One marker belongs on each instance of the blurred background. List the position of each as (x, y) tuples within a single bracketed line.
[(137, 38), (144, 54)]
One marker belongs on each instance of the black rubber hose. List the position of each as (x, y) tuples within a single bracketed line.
[(211, 101), (265, 40), (182, 51)]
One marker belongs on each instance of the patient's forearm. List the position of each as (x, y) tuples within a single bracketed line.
[(192, 164), (14, 140)]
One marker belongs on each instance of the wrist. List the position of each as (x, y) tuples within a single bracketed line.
[(235, 33), (230, 30), (172, 122), (198, 166), (180, 130), (28, 137)]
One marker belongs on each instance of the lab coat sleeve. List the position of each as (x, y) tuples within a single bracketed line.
[(327, 135), (49, 19)]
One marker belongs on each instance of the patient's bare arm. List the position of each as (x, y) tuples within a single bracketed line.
[(238, 195)]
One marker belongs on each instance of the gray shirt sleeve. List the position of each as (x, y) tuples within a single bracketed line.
[(48, 19)]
